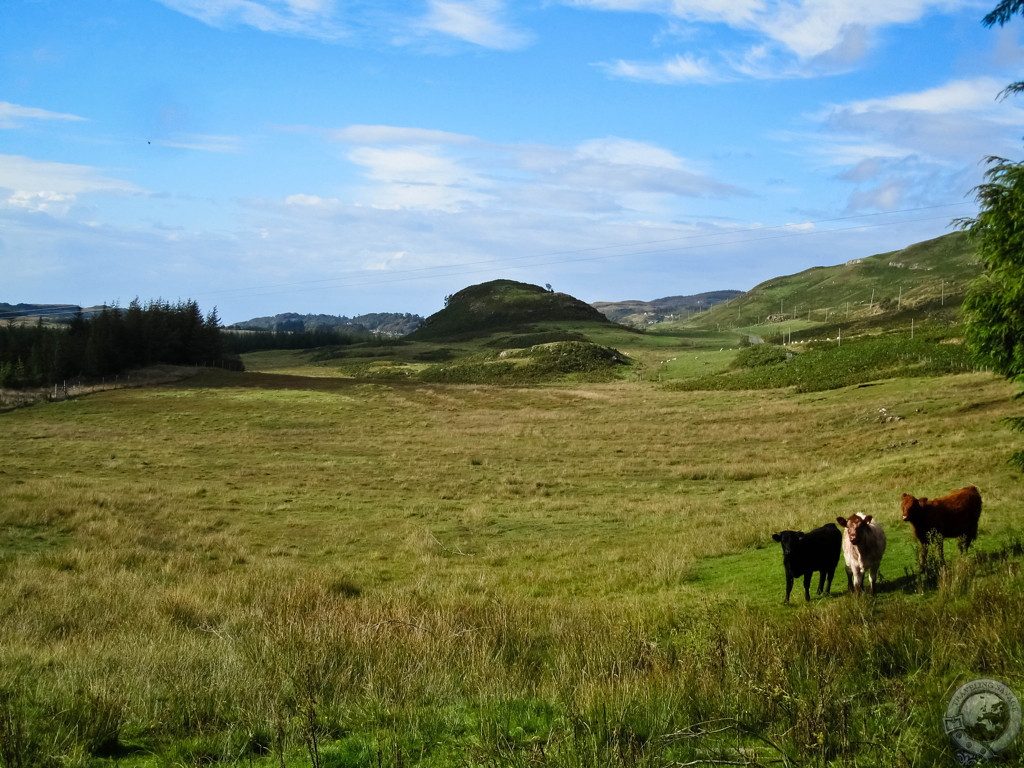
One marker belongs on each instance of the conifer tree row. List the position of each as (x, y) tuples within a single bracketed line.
[(111, 341)]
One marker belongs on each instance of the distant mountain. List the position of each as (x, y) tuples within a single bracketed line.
[(502, 305), (380, 323), (51, 313), (643, 313), (924, 280)]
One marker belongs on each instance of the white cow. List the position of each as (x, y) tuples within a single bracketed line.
[(863, 547)]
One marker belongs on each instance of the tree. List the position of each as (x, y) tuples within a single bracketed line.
[(994, 305), (1000, 15)]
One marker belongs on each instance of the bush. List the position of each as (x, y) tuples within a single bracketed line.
[(759, 355)]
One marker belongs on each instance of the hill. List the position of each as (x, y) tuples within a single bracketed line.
[(643, 313), (502, 305), (51, 313), (926, 281), (380, 323)]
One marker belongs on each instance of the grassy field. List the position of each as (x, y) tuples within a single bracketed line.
[(298, 566)]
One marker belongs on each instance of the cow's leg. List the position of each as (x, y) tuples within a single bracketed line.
[(924, 556), (789, 587), (942, 552), (873, 576), (821, 581), (858, 580), (807, 585), (828, 584)]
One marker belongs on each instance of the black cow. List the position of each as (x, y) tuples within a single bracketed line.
[(805, 553)]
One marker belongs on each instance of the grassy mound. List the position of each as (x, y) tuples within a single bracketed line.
[(480, 310), (573, 360)]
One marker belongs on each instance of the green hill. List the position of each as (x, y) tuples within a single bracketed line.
[(502, 305), (926, 281)]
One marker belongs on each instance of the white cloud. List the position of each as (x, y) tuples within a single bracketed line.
[(480, 22), (390, 134), (205, 143), (14, 115), (975, 95), (52, 187), (915, 148), (427, 169), (306, 18), (794, 38), (677, 69)]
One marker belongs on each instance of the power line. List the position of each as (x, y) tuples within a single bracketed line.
[(342, 277), (405, 276), (544, 259)]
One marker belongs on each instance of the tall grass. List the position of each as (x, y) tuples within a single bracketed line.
[(330, 574), (297, 674)]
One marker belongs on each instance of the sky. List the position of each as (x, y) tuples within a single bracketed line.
[(349, 156)]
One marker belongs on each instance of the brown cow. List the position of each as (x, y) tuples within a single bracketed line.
[(954, 516)]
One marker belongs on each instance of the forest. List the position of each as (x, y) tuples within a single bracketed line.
[(112, 341)]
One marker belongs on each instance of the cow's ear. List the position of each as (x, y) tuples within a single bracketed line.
[(867, 518), (776, 537), (841, 521)]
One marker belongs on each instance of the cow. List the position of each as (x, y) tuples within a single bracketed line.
[(805, 553), (863, 547), (954, 516)]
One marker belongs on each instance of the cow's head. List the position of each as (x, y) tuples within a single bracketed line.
[(853, 526), (788, 540), (910, 507)]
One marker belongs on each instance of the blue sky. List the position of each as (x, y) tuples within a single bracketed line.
[(344, 157)]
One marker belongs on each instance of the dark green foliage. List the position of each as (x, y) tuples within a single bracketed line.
[(1001, 15), (384, 323), (994, 307), (829, 365), (1003, 12), (241, 342), (109, 342), (482, 309), (759, 355)]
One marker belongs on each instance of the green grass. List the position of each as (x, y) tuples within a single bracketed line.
[(833, 364), (426, 575)]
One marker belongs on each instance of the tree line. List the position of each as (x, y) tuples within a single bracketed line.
[(112, 341), (241, 341)]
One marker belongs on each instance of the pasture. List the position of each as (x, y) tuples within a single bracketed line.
[(319, 569)]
